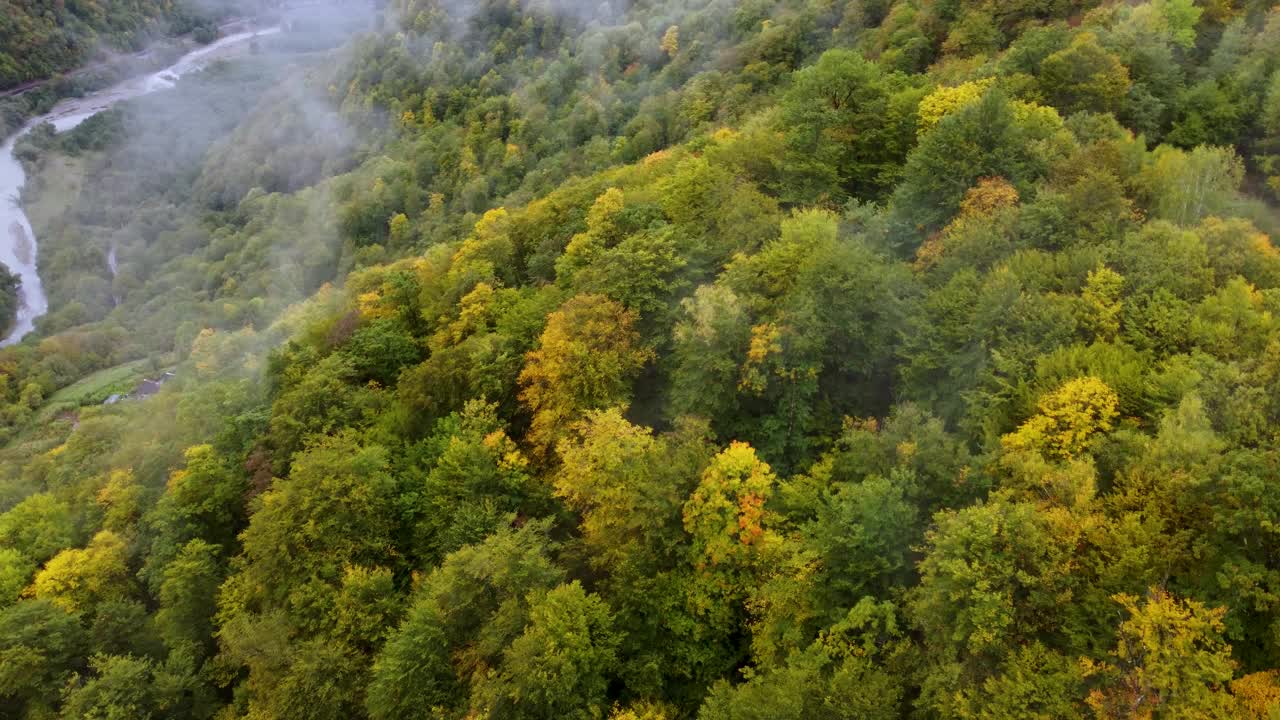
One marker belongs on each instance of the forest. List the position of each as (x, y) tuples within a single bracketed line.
[(661, 360), (9, 286)]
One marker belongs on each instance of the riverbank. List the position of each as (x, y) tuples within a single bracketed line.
[(21, 255), (19, 104), (10, 285)]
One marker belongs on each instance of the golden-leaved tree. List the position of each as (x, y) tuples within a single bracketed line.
[(588, 356)]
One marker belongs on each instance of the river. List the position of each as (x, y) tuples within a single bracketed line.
[(18, 246)]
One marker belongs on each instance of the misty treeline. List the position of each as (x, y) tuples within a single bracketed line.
[(658, 360)]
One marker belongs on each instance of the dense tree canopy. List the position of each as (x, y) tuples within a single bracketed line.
[(662, 360)]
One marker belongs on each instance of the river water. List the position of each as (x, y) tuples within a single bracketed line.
[(18, 245)]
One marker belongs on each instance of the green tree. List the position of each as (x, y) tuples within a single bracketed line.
[(993, 578), (335, 509), (1181, 17), (478, 599), (1185, 187), (380, 349), (1234, 322), (318, 396), (709, 339), (41, 647), (10, 285), (1034, 682), (559, 666), (845, 674), (1084, 77), (474, 477), (16, 570), (123, 688), (984, 139), (39, 526), (863, 535), (188, 597), (203, 501), (846, 132)]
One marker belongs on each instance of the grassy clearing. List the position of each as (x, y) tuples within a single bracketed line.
[(94, 389)]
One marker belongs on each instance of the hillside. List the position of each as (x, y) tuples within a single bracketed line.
[(666, 359)]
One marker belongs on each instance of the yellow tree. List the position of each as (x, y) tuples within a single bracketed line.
[(642, 710), (726, 514), (601, 233), (946, 100), (399, 229), (671, 41), (77, 579), (731, 535), (1169, 662), (1069, 417), (1102, 304), (1258, 695), (981, 202), (587, 357), (607, 472)]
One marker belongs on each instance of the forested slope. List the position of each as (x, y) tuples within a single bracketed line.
[(667, 359)]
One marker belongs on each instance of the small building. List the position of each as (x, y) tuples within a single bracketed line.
[(148, 387), (143, 390)]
